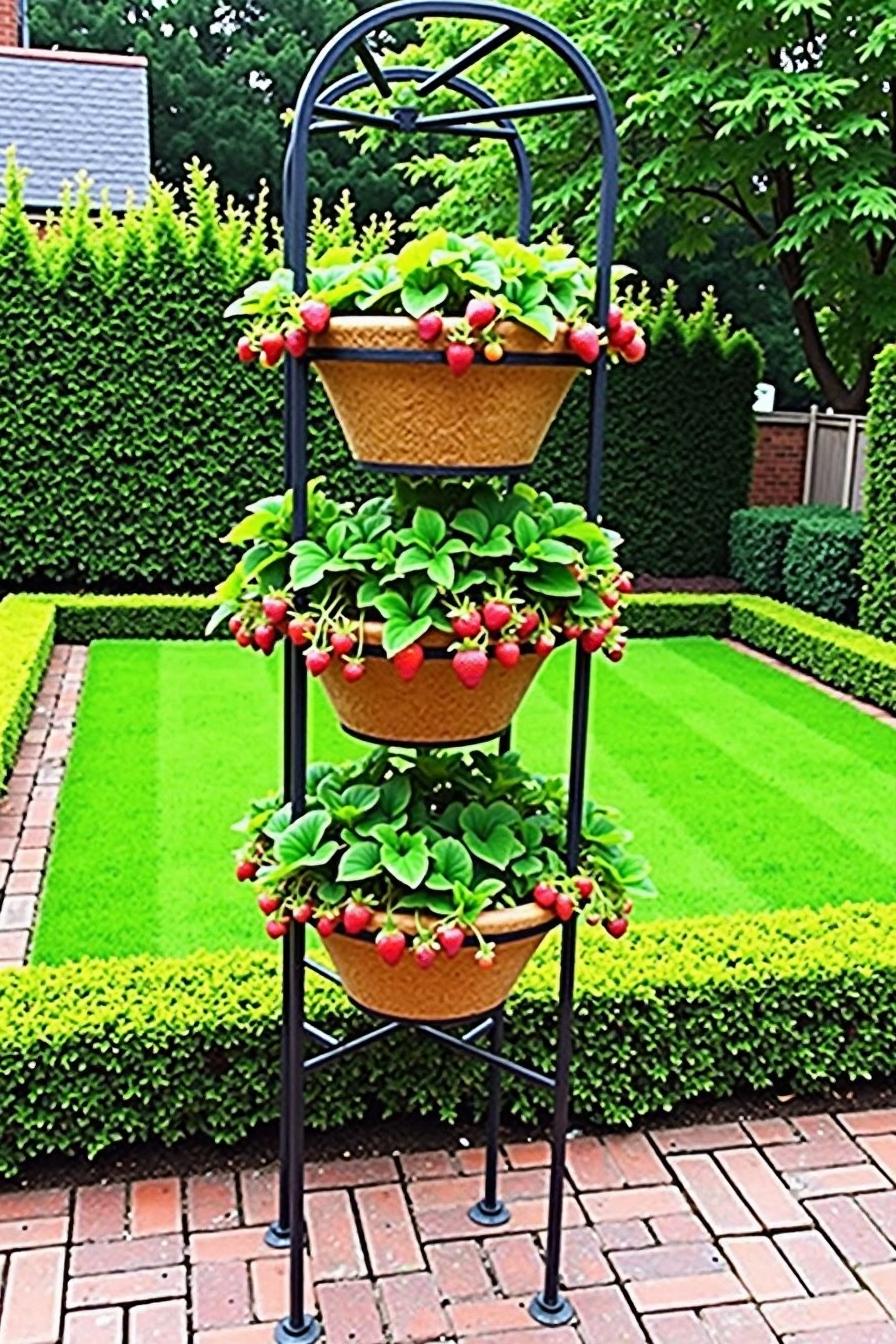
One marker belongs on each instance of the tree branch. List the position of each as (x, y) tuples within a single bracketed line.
[(737, 206)]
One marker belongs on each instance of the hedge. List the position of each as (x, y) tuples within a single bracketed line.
[(26, 640), (134, 437), (877, 608), (128, 1050), (821, 566), (846, 659), (759, 538)]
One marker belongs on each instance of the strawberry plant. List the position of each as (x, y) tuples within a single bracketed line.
[(443, 837), (499, 570), (457, 288)]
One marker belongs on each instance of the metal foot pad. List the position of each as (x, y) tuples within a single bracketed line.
[(490, 1216), (561, 1313), (285, 1334), (277, 1237)]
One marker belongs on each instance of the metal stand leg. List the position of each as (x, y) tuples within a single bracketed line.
[(298, 1327), (550, 1307), (490, 1210), (277, 1234)]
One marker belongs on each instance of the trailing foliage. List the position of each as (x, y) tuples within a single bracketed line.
[(759, 538), (821, 566), (163, 1048), (132, 394), (877, 609), (26, 638), (840, 657)]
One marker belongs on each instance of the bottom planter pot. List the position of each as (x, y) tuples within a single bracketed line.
[(452, 989), (434, 708)]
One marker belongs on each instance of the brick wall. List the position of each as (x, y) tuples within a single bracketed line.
[(780, 462), (9, 23)]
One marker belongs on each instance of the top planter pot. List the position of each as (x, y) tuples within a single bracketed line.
[(420, 415)]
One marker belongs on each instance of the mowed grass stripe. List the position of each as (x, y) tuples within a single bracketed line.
[(173, 740)]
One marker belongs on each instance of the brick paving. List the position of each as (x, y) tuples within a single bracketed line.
[(714, 1234), (28, 807)]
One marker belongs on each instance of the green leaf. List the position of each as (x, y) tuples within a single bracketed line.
[(407, 861), (554, 581), (451, 863), (399, 633), (441, 570), (429, 527), (302, 836), (309, 564), (359, 861)]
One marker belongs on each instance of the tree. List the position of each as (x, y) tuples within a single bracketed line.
[(775, 115), (221, 76)]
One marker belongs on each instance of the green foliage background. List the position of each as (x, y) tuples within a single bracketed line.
[(877, 611), (130, 437), (806, 554)]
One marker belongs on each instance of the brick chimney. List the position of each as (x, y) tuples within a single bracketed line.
[(11, 34)]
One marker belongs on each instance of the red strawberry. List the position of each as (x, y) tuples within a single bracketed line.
[(265, 638), (480, 313), (615, 654), (275, 928), (545, 896), (303, 912), (353, 671), (356, 917), (327, 925), (296, 341), (471, 666), (507, 652), (585, 886), (451, 940), (527, 624), (610, 598), (317, 661), (407, 662), (246, 870), (245, 350), (493, 351), (496, 614), (565, 909), (429, 326), (425, 955), (572, 631), (625, 332), (584, 341), (272, 345), (614, 317), (635, 351), (390, 945), (544, 644), (616, 927), (298, 631), (235, 624), (315, 315), (624, 583), (243, 638), (592, 639), (341, 642), (268, 904), (459, 357), (274, 608), (467, 623)]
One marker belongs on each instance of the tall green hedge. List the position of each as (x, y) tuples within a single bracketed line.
[(759, 540), (130, 436), (821, 566), (877, 608)]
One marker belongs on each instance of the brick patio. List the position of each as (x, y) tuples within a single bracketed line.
[(740, 1233)]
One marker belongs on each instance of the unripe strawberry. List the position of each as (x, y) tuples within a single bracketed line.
[(480, 313), (493, 351), (245, 350), (317, 661), (407, 662), (315, 315), (429, 326), (296, 341), (485, 958), (459, 357)]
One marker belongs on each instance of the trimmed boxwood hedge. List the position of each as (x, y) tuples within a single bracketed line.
[(821, 566), (133, 1049), (26, 639), (877, 610), (759, 539)]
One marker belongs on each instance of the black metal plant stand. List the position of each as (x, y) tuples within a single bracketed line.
[(318, 110)]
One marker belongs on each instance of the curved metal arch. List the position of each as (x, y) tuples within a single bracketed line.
[(403, 74), (354, 33)]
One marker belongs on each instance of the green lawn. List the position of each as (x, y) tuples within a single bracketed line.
[(747, 789)]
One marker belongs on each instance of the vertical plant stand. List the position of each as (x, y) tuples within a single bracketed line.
[(317, 111)]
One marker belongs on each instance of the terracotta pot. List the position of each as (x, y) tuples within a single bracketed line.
[(434, 708), (398, 414), (452, 989)]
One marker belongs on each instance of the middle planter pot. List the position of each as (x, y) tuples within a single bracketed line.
[(434, 708)]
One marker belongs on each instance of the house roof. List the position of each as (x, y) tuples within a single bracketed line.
[(72, 111)]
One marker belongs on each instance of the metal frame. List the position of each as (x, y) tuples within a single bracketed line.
[(318, 110)]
